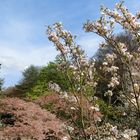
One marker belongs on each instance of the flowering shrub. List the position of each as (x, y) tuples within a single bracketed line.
[(64, 106), (53, 103), (78, 69), (82, 74), (25, 120), (104, 27)]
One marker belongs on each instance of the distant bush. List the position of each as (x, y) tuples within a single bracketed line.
[(13, 92), (48, 73)]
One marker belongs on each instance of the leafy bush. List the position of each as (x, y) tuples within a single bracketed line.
[(48, 73), (109, 111)]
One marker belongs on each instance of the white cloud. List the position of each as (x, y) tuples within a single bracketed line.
[(19, 51), (14, 61), (90, 43)]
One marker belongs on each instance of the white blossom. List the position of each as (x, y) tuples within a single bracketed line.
[(65, 138), (72, 108), (54, 86), (95, 108), (136, 87), (108, 93)]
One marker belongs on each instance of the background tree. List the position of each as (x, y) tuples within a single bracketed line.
[(1, 81), (30, 77), (100, 56), (48, 73)]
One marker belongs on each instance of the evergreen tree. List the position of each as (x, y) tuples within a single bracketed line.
[(30, 77)]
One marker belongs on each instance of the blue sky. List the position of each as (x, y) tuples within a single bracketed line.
[(22, 30)]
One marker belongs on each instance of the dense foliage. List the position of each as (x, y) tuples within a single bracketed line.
[(48, 73)]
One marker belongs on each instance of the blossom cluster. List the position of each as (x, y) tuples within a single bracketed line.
[(110, 132), (128, 58), (78, 67), (54, 86)]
